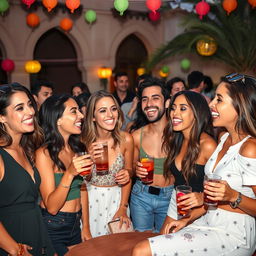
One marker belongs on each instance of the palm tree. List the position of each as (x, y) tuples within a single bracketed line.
[(235, 35)]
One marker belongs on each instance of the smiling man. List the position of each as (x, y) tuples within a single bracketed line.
[(149, 202), (122, 92)]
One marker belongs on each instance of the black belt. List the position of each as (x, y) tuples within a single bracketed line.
[(154, 190)]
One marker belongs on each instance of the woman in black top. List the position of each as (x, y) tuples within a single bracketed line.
[(19, 179), (188, 146)]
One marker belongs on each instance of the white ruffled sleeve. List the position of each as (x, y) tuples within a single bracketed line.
[(247, 167)]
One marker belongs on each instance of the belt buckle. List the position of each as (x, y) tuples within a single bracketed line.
[(154, 190)]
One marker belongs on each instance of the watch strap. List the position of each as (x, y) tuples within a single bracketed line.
[(237, 202)]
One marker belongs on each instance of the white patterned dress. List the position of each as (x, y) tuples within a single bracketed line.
[(104, 201), (218, 232)]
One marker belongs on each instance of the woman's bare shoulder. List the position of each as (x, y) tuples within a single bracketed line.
[(248, 149), (136, 134), (207, 144), (42, 152), (127, 136)]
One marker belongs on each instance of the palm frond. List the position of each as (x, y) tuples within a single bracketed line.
[(235, 35)]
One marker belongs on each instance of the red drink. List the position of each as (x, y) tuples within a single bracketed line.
[(102, 168), (85, 173), (181, 213), (209, 201), (211, 178), (181, 191), (148, 164), (102, 162)]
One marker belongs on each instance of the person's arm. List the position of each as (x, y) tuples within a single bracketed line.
[(139, 171), (192, 201), (123, 206), (171, 225), (133, 108), (86, 233), (126, 189), (223, 192), (53, 197), (165, 227), (9, 245), (247, 204), (123, 176), (136, 154), (207, 147)]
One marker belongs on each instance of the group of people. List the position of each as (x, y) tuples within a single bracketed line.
[(47, 206)]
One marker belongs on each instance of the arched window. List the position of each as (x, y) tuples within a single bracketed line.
[(130, 55), (58, 58)]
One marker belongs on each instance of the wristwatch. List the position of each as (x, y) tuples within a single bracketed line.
[(237, 202)]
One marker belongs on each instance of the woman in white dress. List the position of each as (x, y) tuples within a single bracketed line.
[(228, 229), (108, 194)]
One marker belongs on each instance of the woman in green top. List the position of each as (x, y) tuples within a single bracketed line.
[(63, 198)]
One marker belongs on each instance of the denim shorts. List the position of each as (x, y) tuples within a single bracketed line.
[(149, 206), (63, 229)]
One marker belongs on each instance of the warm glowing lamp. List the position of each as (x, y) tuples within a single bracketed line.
[(141, 71), (104, 73), (32, 66), (206, 46)]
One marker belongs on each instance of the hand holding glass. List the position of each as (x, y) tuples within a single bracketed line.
[(88, 171), (148, 163), (181, 191), (212, 177)]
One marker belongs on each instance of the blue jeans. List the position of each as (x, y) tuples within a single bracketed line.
[(63, 229), (148, 211)]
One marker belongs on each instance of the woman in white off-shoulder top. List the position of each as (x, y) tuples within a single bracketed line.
[(228, 229)]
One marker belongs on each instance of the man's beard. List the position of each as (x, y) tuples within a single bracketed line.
[(157, 118)]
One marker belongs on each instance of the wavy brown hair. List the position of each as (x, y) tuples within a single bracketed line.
[(173, 139), (29, 141), (243, 95), (89, 129)]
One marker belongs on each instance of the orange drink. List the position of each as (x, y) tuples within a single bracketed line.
[(148, 163)]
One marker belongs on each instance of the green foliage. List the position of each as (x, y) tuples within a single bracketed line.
[(235, 35)]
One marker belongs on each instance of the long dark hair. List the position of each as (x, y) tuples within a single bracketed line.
[(173, 140), (29, 141), (140, 120), (51, 110), (243, 95)]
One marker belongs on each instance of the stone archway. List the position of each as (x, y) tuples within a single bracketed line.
[(130, 54), (58, 57)]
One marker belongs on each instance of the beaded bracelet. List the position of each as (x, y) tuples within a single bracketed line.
[(21, 250)]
